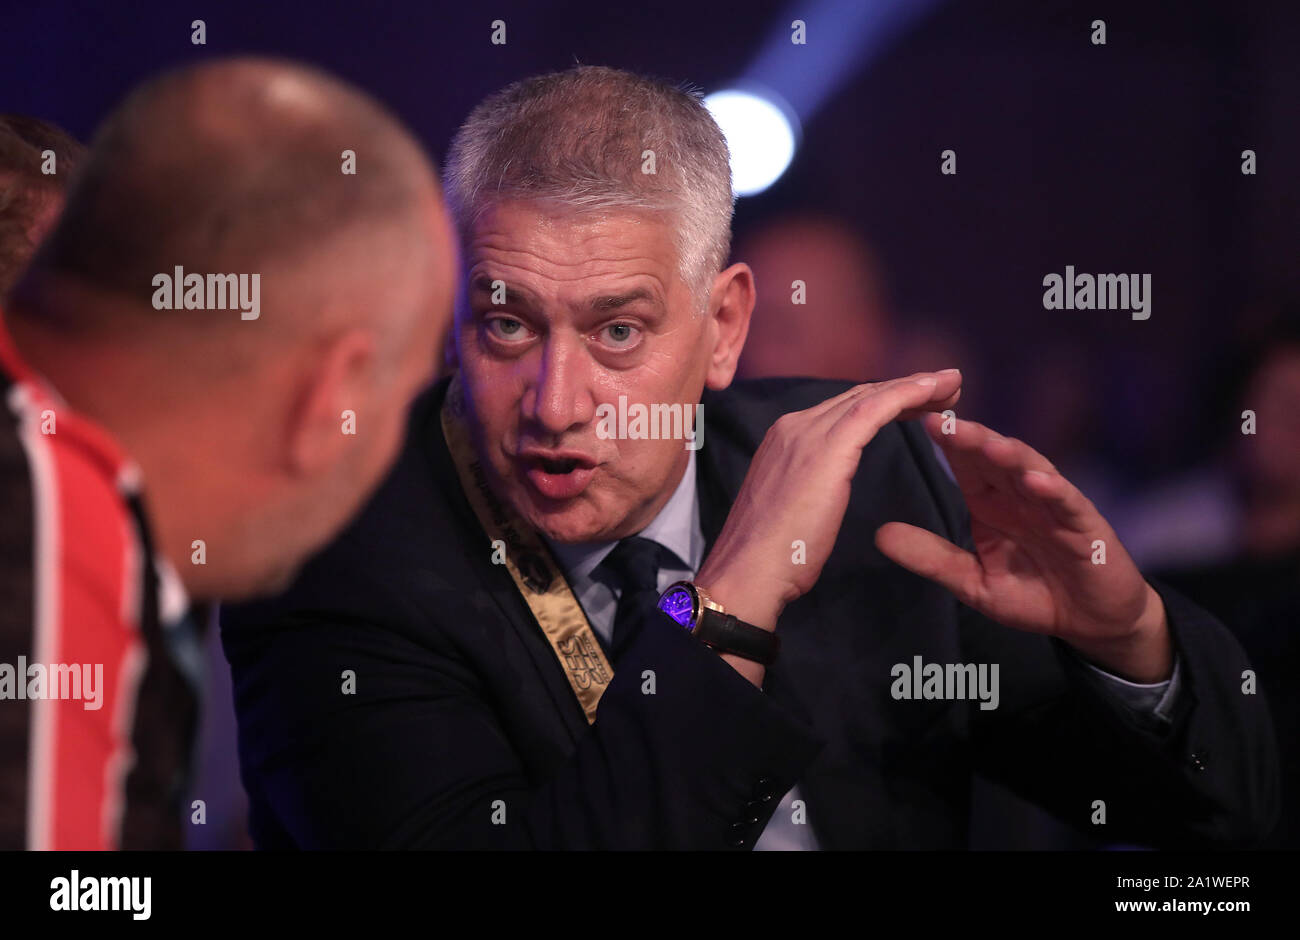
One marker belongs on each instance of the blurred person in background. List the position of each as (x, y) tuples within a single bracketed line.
[(1228, 533), (821, 309), (37, 162), (1244, 502)]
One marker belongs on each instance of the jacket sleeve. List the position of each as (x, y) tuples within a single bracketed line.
[(415, 756), (1206, 777)]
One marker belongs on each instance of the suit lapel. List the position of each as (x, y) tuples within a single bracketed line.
[(494, 581)]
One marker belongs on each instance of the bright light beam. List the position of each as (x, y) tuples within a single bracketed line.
[(842, 37), (787, 84), (761, 135)]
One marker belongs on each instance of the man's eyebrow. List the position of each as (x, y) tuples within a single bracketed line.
[(514, 295), (606, 302)]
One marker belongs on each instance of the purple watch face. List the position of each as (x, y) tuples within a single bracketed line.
[(679, 605)]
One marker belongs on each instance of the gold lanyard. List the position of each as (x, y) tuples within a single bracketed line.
[(536, 575)]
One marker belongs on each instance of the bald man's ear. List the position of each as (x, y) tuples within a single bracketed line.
[(334, 397), (731, 303)]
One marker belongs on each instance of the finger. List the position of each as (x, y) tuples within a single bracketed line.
[(931, 556), (1062, 499), (1005, 460), (1026, 472), (848, 395), (1032, 475), (947, 383), (932, 407), (859, 420), (1013, 454), (960, 434), (998, 465), (960, 442), (1044, 497)]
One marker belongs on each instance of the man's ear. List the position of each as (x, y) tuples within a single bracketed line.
[(333, 399), (731, 304)]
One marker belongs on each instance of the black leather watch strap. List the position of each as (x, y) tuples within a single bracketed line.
[(725, 633)]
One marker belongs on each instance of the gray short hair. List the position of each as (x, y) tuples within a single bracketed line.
[(578, 139)]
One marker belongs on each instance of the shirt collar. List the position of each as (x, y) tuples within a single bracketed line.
[(173, 600), (676, 528)]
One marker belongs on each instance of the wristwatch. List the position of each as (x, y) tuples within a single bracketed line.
[(690, 606)]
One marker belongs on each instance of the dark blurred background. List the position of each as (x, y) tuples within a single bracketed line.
[(1124, 157)]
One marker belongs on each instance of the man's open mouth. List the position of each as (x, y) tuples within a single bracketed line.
[(557, 466), (557, 476)]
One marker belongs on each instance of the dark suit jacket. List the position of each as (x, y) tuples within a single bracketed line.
[(460, 703)]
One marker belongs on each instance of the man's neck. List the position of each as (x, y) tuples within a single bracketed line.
[(120, 394)]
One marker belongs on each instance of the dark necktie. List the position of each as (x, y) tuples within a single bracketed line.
[(632, 569)]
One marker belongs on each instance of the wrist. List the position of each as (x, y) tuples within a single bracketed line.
[(750, 606), (1145, 655)]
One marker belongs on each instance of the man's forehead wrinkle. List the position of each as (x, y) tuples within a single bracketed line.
[(568, 271), (621, 245), (530, 250), (582, 224)]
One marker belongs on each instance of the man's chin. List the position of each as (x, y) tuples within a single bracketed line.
[(566, 528), (574, 520)]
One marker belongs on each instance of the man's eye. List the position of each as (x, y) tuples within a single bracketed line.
[(622, 335), (508, 329)]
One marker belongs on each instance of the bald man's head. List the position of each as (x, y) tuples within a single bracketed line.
[(268, 433), (234, 167)]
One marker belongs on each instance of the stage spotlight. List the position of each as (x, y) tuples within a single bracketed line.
[(814, 48), (762, 134)]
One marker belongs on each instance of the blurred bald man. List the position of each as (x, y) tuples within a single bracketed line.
[(153, 456)]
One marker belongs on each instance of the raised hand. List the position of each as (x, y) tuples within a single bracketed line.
[(798, 487), (1038, 542)]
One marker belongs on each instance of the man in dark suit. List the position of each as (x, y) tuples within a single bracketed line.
[(566, 621)]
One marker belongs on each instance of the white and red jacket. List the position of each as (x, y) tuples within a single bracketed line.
[(106, 770)]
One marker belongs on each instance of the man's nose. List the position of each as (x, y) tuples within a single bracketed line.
[(560, 396)]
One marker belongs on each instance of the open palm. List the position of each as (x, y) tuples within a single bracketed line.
[(1039, 543)]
